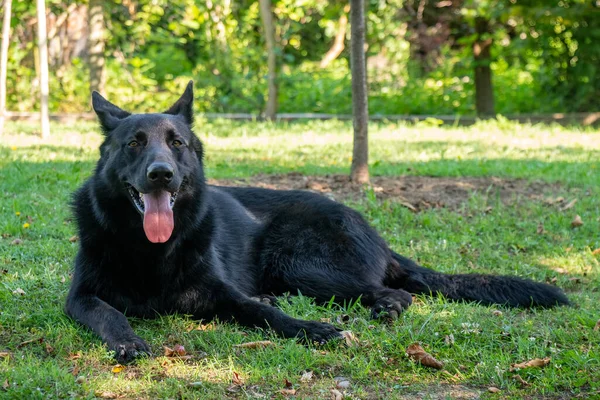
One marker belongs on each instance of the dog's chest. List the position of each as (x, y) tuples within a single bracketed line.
[(143, 285)]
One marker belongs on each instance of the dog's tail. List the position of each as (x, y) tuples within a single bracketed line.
[(485, 289)]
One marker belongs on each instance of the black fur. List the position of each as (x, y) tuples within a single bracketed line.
[(229, 245)]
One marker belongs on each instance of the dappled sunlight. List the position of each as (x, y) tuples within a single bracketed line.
[(572, 265)]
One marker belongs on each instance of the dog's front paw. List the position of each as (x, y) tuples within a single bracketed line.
[(318, 332), (128, 349)]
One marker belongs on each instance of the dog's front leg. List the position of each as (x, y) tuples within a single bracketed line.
[(110, 324), (231, 304)]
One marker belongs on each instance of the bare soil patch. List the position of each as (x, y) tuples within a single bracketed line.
[(415, 192)]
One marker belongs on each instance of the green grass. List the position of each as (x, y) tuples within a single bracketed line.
[(37, 177)]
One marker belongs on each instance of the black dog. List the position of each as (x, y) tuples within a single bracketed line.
[(155, 238)]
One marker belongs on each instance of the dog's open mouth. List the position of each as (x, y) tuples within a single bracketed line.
[(157, 209), (140, 203)]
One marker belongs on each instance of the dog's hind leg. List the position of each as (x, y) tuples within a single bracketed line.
[(325, 284), (325, 251)]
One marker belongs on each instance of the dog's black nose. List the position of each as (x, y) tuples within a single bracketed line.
[(160, 172)]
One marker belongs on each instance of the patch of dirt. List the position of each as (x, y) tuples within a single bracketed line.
[(415, 192)]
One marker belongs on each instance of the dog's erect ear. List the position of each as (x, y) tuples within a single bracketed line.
[(185, 105), (108, 114)]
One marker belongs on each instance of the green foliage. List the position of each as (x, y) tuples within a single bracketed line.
[(545, 56)]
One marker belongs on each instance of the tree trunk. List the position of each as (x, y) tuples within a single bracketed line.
[(4, 60), (359, 172), (96, 46), (43, 48), (484, 91), (267, 20), (338, 42)]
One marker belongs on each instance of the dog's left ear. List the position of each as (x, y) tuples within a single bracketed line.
[(185, 105)]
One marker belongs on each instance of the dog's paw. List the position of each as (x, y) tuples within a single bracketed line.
[(128, 349), (391, 304), (318, 332)]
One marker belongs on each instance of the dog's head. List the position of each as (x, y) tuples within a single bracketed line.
[(153, 159)]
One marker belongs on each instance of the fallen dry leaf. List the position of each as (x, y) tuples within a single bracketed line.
[(540, 229), (49, 349), (4, 354), (254, 345), (202, 327), (307, 376), (117, 368), (25, 343), (522, 381), (5, 385), (287, 383), (556, 200), (236, 379), (106, 395), (535, 363), (597, 327), (351, 340), (408, 205), (177, 351), (496, 313), (569, 205), (19, 291), (288, 392), (73, 238), (418, 354), (596, 252), (16, 242), (493, 389), (74, 356), (576, 222), (336, 394)]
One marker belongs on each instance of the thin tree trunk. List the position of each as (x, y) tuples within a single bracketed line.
[(484, 91), (338, 42), (359, 172), (267, 19), (43, 47), (96, 45), (4, 60)]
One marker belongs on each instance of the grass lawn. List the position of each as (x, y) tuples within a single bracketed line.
[(43, 354)]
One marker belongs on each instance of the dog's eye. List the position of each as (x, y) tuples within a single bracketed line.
[(133, 143), (177, 143)]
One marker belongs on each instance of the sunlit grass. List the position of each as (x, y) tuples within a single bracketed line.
[(38, 176)]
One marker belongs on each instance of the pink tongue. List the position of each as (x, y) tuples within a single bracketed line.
[(158, 216)]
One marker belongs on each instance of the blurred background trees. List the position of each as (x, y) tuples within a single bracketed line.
[(423, 56)]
